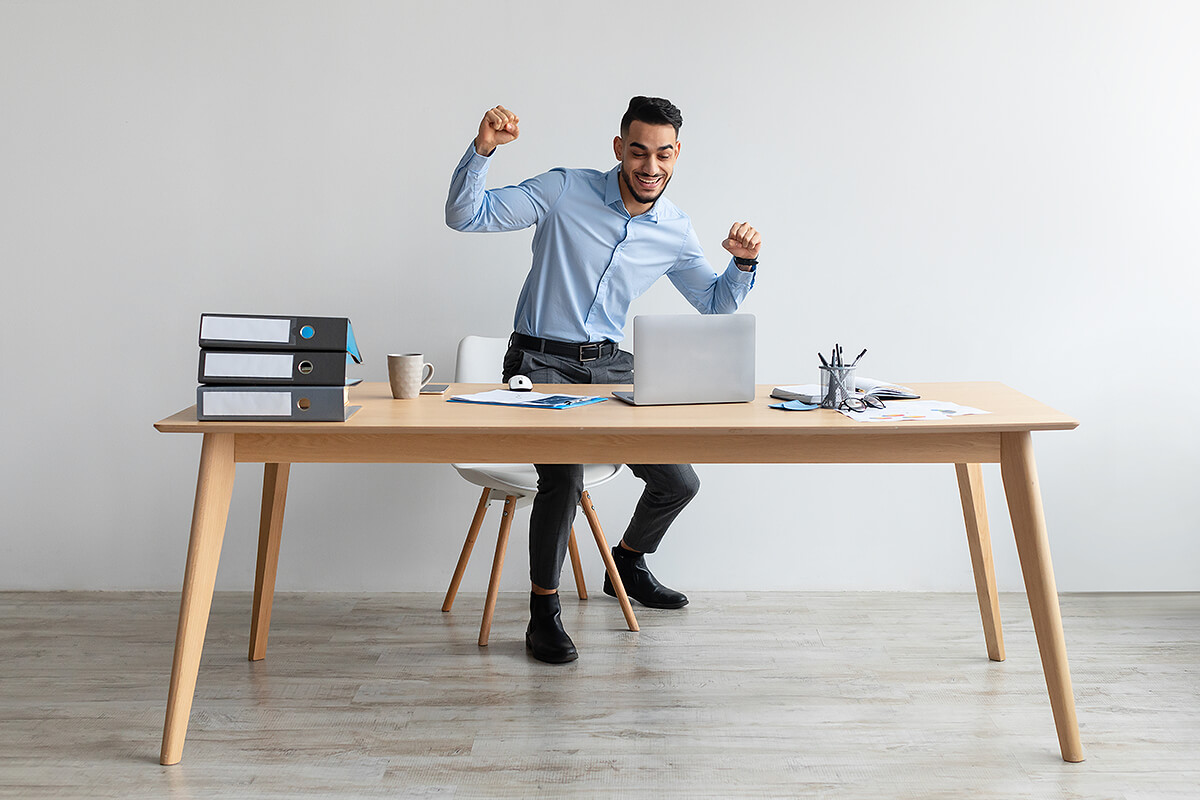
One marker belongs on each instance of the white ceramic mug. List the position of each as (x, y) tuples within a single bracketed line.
[(408, 373)]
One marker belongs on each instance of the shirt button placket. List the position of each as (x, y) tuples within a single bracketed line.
[(598, 305)]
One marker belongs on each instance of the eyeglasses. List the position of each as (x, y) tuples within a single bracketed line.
[(860, 402)]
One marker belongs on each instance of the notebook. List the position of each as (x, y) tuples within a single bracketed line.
[(684, 359)]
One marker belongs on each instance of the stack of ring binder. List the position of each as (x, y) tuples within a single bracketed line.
[(263, 367)]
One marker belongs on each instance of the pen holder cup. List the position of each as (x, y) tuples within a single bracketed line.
[(837, 386)]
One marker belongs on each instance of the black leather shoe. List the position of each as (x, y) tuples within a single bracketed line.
[(545, 638), (640, 583)]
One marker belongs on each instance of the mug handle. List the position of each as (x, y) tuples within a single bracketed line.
[(428, 377)]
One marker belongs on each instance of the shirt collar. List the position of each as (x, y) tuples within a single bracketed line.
[(612, 196)]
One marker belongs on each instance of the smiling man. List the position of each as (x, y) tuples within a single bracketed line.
[(601, 240)]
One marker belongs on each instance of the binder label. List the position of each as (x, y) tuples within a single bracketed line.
[(246, 329), (259, 404), (248, 365)]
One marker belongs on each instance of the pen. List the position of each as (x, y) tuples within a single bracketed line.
[(824, 363), (860, 355)]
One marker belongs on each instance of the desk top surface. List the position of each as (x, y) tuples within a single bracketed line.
[(380, 414)]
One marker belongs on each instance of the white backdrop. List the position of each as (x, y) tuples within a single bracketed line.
[(975, 191)]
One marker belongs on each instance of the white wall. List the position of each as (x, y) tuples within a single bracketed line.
[(975, 191)]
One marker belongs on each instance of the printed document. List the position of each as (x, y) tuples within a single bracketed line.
[(504, 397), (912, 411)]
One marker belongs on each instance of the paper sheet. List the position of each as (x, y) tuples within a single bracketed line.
[(912, 411)]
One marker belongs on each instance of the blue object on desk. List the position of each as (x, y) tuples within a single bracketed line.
[(796, 405)]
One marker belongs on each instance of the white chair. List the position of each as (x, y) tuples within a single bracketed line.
[(480, 360)]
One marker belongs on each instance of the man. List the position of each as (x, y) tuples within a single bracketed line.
[(602, 239)]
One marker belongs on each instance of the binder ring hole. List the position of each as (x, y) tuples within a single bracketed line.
[(305, 367), (307, 332), (303, 403)]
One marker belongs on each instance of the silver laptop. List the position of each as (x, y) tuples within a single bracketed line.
[(682, 359)]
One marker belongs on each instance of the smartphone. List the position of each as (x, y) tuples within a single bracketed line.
[(435, 388)]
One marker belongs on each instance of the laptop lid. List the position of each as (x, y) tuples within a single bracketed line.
[(693, 358)]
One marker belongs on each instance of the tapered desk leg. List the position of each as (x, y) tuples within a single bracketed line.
[(270, 528), (589, 511), (979, 540), (214, 487), (1033, 548)]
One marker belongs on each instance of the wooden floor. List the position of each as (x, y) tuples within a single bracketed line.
[(871, 695)]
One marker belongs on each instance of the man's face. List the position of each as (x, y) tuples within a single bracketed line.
[(647, 155)]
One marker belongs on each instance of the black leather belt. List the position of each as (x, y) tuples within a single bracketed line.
[(585, 351)]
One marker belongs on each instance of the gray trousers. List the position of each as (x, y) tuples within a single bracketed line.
[(669, 487)]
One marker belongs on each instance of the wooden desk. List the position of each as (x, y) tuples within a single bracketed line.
[(430, 430)]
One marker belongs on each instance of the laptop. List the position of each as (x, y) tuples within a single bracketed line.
[(684, 359)]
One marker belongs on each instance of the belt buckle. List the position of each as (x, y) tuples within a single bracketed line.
[(584, 347)]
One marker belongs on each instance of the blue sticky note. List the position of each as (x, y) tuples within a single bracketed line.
[(796, 405)]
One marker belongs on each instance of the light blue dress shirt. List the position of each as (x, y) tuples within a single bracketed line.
[(590, 258)]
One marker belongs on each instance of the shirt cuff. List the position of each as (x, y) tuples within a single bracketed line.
[(740, 275), (473, 161)]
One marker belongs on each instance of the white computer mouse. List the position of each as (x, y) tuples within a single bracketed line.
[(519, 383)]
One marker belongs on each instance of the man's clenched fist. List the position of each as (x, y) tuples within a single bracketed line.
[(499, 126), (743, 241)]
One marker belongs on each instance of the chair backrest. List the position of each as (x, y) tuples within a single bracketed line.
[(480, 359)]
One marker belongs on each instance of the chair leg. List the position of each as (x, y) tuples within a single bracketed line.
[(485, 628), (589, 511), (472, 533), (576, 565)]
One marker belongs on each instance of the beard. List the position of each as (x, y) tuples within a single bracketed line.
[(640, 194)]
